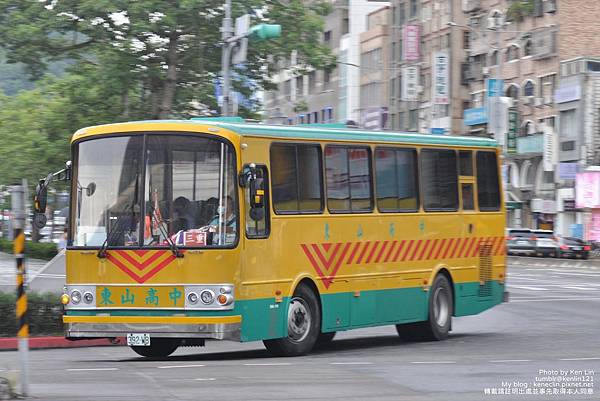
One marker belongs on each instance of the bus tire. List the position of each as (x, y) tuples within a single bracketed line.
[(437, 326), (303, 323), (159, 348)]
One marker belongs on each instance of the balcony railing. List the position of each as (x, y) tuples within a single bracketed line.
[(530, 144)]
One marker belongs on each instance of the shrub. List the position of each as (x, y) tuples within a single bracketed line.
[(44, 312), (35, 250)]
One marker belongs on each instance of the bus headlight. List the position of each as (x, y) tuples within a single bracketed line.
[(207, 297), (88, 297), (75, 297), (193, 298)]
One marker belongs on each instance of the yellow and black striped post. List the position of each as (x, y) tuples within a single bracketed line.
[(18, 222), (19, 250)]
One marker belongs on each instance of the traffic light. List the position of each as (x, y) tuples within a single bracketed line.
[(264, 31)]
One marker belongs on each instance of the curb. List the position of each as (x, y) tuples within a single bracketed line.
[(12, 343)]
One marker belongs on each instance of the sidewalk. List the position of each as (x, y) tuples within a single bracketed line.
[(11, 343)]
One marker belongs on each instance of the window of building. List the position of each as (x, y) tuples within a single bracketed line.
[(440, 179), (345, 22), (512, 53), (402, 120), (527, 47), (296, 178), (397, 185), (413, 8), (312, 82), (494, 58), (348, 173), (547, 84), (466, 40), (488, 187), (327, 37), (529, 89), (413, 120), (512, 91), (401, 13), (568, 124), (527, 128), (299, 86)]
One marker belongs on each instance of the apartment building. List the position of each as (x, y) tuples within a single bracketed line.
[(325, 96), (543, 53)]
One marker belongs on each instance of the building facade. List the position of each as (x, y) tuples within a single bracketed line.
[(325, 96)]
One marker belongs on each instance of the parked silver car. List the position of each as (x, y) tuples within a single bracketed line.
[(519, 241), (546, 243)]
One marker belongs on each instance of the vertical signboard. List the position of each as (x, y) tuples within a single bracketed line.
[(587, 190), (411, 40), (511, 135), (410, 82), (549, 153), (440, 85), (494, 87)]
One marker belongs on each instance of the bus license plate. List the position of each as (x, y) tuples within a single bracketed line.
[(138, 340)]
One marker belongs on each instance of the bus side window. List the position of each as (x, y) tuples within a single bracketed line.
[(257, 203)]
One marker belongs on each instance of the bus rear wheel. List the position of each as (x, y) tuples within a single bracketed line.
[(437, 326), (303, 325), (159, 348)]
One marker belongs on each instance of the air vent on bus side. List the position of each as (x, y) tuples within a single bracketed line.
[(485, 269)]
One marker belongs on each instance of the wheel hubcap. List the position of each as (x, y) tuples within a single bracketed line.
[(298, 320), (441, 308)]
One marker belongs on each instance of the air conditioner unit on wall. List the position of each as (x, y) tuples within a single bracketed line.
[(548, 99), (527, 100), (538, 102), (485, 70)]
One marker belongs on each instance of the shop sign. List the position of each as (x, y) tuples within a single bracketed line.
[(569, 205), (511, 135), (476, 116), (440, 83), (587, 189), (567, 94), (411, 50), (410, 84), (567, 171)]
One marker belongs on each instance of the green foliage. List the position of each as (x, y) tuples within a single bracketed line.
[(159, 58), (44, 312), (35, 250), (520, 9)]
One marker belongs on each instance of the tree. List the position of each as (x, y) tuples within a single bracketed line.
[(156, 56)]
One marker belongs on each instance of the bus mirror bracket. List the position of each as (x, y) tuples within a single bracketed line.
[(41, 194)]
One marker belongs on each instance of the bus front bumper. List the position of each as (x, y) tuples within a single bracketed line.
[(216, 327)]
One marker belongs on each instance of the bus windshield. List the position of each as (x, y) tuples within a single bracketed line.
[(149, 190)]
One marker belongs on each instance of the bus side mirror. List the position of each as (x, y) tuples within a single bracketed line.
[(252, 178), (41, 197)]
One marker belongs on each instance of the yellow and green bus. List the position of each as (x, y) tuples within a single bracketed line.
[(182, 231)]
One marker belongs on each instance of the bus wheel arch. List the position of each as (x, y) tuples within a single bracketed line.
[(303, 322), (446, 272)]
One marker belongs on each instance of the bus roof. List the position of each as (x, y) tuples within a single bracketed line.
[(312, 132)]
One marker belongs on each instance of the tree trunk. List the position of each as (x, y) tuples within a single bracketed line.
[(170, 84)]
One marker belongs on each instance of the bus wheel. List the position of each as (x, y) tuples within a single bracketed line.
[(303, 324), (159, 348), (437, 326)]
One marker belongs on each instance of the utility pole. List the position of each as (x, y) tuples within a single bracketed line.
[(226, 33), (18, 218)]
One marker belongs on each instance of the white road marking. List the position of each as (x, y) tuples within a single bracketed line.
[(432, 362), (90, 369), (578, 274), (549, 299), (180, 366), (579, 359), (205, 379), (268, 364), (524, 287), (510, 360), (575, 287), (351, 363)]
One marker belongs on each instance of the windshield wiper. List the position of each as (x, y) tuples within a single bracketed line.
[(176, 252), (109, 236)]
